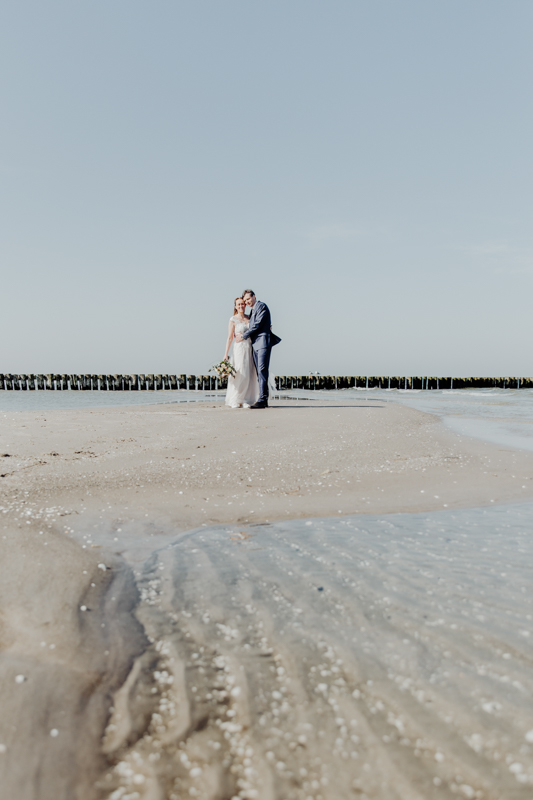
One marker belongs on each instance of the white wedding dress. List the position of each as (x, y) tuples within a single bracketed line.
[(243, 389)]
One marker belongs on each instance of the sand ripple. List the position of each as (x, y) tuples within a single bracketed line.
[(365, 657)]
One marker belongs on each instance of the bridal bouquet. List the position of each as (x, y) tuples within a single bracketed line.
[(224, 369)]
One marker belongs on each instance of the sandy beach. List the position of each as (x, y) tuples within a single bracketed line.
[(140, 660)]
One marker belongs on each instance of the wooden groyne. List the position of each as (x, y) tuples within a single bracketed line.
[(134, 383)]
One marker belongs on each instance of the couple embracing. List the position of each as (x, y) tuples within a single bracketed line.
[(252, 341)]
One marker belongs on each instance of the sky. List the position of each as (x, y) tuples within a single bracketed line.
[(364, 167)]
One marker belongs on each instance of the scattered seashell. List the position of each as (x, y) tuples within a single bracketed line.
[(20, 678), (54, 732)]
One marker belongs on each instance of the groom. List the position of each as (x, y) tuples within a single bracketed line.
[(259, 333)]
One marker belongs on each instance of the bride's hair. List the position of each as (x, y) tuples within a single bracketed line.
[(235, 305)]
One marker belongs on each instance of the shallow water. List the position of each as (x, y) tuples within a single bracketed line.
[(369, 657), (56, 400), (501, 416), (373, 656)]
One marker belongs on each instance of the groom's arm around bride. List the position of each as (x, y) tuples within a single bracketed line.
[(259, 334)]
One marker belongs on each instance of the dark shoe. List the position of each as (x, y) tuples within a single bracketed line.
[(259, 405)]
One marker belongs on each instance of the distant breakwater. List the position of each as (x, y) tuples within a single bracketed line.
[(134, 383)]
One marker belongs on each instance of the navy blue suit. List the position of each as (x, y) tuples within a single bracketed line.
[(259, 333)]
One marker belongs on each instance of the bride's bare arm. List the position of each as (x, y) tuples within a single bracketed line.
[(231, 333)]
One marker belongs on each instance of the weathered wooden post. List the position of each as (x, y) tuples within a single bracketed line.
[(191, 382), (158, 383), (150, 382), (1, 382)]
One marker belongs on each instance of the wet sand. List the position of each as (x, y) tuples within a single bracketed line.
[(137, 662)]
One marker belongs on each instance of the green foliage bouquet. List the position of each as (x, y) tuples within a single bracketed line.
[(224, 369)]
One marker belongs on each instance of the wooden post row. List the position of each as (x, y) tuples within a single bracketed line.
[(160, 382)]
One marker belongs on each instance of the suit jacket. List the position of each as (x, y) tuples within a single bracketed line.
[(259, 330)]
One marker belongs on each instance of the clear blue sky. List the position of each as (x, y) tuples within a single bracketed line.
[(366, 167)]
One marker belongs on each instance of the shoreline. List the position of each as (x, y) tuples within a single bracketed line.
[(104, 487), (206, 464)]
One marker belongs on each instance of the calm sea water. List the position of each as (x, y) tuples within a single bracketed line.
[(37, 401), (399, 645)]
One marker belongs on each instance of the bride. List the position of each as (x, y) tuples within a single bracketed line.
[(243, 389)]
